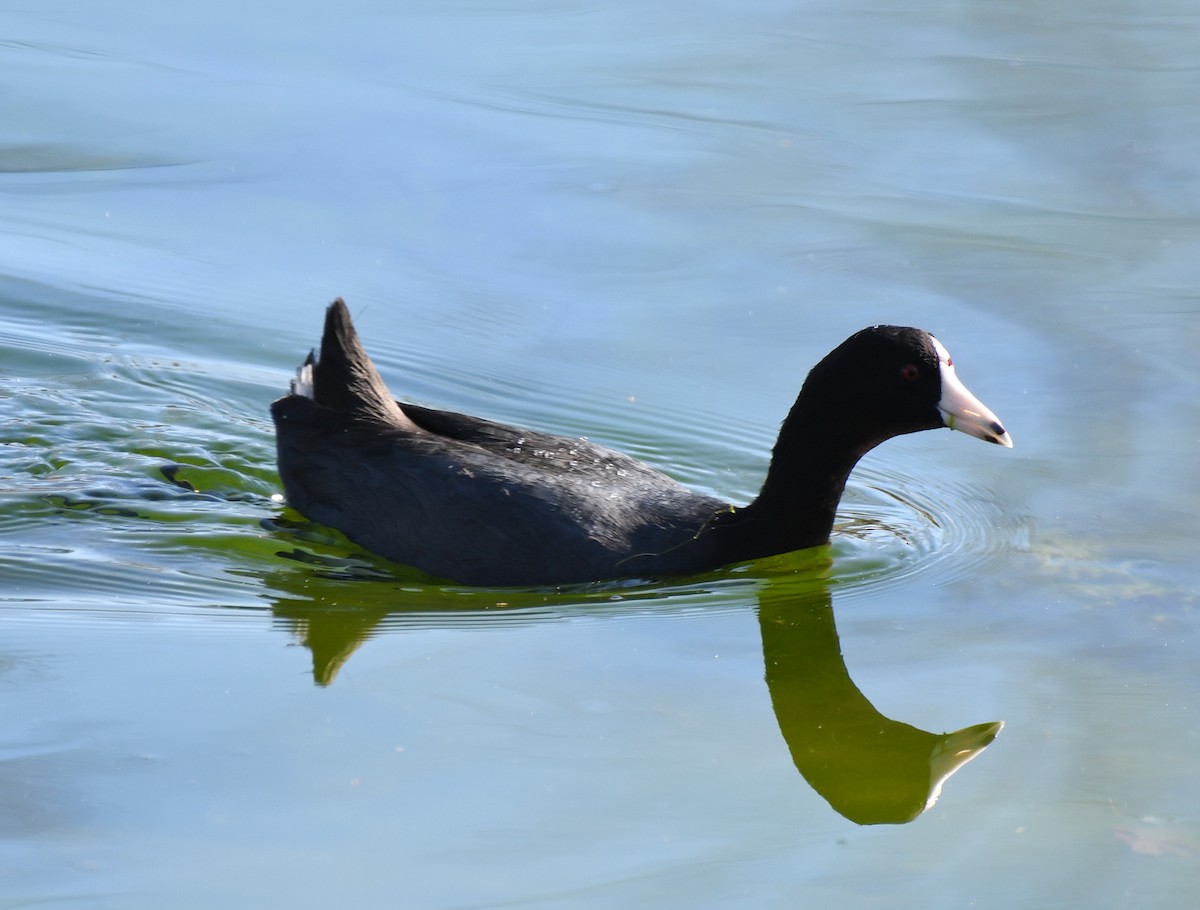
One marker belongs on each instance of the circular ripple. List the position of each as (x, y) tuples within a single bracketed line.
[(891, 527)]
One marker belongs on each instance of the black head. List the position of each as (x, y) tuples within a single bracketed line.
[(890, 380), (881, 382)]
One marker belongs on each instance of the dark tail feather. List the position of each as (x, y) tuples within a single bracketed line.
[(343, 377)]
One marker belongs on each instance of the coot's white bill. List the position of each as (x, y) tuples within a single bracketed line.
[(961, 410)]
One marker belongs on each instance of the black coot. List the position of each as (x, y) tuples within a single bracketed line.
[(483, 503)]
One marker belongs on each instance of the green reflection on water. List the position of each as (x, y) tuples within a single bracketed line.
[(869, 768)]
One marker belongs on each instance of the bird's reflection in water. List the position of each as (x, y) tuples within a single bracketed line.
[(868, 767)]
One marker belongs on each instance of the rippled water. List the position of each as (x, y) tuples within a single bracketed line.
[(642, 224)]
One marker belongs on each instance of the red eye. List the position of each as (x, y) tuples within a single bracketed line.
[(909, 372)]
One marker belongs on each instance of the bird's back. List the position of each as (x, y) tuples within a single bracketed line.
[(480, 502), (463, 498)]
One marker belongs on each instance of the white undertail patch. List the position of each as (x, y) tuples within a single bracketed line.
[(302, 385)]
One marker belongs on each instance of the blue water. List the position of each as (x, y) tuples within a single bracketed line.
[(641, 223)]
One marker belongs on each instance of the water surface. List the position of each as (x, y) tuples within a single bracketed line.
[(643, 224)]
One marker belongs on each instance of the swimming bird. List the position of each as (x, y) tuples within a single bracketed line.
[(482, 503)]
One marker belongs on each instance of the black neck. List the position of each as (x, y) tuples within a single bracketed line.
[(797, 504)]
